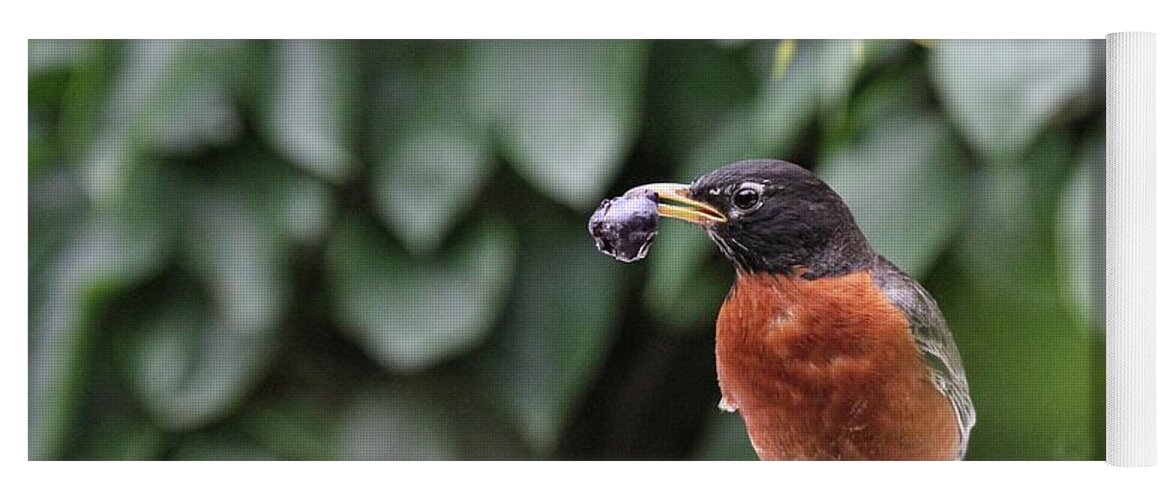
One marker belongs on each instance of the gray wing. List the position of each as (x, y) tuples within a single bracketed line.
[(934, 340)]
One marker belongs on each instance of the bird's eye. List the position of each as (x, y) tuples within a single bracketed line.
[(746, 198)]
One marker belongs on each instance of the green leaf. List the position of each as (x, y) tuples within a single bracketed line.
[(410, 315), (313, 105), (201, 116), (420, 419), (1001, 93), (565, 111), (904, 183), (725, 438), (221, 447), (42, 142), (171, 95), (195, 362), (1082, 232), (1036, 373), (556, 332), (720, 81), (241, 259), (1036, 370), (818, 79), (75, 104), (433, 158), (1011, 227), (291, 428), (427, 180), (127, 436), (106, 258), (56, 211), (58, 70), (51, 55), (297, 204), (396, 425), (302, 207)]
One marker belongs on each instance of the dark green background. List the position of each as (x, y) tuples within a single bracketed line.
[(317, 250)]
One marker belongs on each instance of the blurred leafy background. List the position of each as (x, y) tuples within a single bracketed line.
[(377, 250)]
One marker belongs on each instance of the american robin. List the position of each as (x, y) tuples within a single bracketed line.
[(825, 348)]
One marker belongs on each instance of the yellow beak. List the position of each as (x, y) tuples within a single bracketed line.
[(675, 201)]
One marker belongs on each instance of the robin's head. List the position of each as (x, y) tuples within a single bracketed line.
[(770, 216)]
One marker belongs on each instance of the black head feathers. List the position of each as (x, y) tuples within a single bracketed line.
[(782, 218)]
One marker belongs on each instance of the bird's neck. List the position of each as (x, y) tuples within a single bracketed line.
[(833, 254)]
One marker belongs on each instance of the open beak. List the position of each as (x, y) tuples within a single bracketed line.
[(675, 201)]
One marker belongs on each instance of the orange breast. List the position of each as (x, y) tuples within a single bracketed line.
[(827, 369)]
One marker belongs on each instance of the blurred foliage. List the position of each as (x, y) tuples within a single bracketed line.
[(377, 250)]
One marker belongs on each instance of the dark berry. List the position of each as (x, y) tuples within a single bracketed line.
[(624, 227)]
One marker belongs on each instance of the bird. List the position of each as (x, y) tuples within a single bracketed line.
[(826, 349)]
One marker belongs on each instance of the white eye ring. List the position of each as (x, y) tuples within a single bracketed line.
[(748, 197)]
